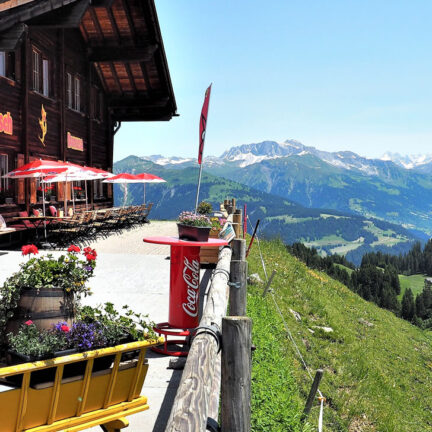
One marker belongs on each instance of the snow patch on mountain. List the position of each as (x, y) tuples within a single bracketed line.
[(407, 161)]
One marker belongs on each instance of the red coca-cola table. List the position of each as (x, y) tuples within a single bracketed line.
[(184, 289)]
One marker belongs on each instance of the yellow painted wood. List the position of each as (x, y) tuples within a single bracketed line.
[(55, 394), (85, 387), (43, 364), (77, 402), (138, 370), (95, 418), (22, 401), (112, 382)]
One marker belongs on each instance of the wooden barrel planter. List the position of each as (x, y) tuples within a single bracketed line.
[(45, 307)]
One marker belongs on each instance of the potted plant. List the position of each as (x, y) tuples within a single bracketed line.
[(193, 227), (46, 284), (204, 208)]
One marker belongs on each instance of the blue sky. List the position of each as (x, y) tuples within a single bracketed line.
[(337, 75)]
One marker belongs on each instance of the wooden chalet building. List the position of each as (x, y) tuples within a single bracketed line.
[(70, 72)]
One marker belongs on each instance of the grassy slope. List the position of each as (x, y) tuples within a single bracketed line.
[(377, 378), (415, 282)]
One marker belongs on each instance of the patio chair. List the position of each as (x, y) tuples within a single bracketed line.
[(145, 213), (65, 230)]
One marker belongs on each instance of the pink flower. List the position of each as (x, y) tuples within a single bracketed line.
[(64, 328), (29, 322)]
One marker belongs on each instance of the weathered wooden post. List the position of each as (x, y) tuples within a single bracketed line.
[(236, 374), (312, 393), (237, 223), (238, 279)]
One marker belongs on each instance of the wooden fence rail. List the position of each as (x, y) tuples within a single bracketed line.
[(197, 397)]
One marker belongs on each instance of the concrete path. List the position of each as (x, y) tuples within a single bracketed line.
[(131, 272)]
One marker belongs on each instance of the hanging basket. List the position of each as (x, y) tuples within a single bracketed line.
[(193, 233)]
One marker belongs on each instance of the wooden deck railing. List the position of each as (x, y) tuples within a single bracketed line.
[(207, 369)]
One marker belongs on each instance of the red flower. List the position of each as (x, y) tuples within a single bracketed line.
[(29, 322), (64, 328), (90, 251), (73, 248), (29, 249), (90, 257)]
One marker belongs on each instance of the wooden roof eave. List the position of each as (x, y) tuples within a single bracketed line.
[(163, 58), (12, 14)]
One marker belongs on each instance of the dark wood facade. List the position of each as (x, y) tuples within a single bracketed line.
[(70, 72)]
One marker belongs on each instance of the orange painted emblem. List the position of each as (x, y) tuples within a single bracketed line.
[(43, 125)]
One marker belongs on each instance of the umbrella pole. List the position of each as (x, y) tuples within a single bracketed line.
[(65, 197), (85, 182), (43, 207), (144, 193), (73, 197)]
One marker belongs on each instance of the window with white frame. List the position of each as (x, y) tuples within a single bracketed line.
[(4, 169), (45, 77), (77, 94), (2, 63), (69, 90), (7, 64), (36, 71)]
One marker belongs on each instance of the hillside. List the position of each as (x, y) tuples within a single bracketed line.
[(395, 188), (377, 367), (329, 231), (393, 193)]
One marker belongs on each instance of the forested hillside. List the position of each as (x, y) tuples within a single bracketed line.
[(329, 231)]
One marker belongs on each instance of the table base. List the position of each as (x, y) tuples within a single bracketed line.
[(166, 330)]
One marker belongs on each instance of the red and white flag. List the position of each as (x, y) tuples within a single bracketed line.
[(203, 123)]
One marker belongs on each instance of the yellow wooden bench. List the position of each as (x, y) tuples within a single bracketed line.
[(78, 402)]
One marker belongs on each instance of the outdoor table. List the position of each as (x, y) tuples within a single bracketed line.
[(184, 289)]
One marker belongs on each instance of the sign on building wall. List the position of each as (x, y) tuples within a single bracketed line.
[(43, 125), (75, 143), (6, 123)]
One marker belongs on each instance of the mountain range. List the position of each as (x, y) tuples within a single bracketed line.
[(395, 188), (330, 231)]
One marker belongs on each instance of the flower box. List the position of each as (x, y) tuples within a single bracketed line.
[(88, 399), (193, 233), (210, 255)]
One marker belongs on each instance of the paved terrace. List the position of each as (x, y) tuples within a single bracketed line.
[(137, 274)]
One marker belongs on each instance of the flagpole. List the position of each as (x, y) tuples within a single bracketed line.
[(199, 184)]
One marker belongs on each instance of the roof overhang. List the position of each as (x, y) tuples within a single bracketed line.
[(124, 45)]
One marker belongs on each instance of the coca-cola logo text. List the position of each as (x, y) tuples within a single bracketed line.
[(191, 278)]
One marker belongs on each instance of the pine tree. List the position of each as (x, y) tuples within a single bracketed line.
[(408, 305)]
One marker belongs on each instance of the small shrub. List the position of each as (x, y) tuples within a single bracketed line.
[(204, 208)]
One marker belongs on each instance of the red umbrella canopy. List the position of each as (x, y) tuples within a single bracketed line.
[(149, 178), (41, 168), (123, 178), (99, 173)]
